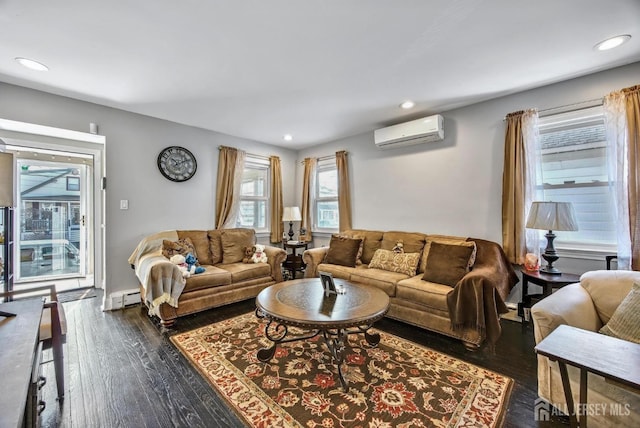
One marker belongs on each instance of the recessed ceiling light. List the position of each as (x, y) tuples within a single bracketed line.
[(407, 104), (612, 42), (288, 137), (32, 65)]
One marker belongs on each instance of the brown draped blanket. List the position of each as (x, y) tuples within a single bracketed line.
[(477, 300)]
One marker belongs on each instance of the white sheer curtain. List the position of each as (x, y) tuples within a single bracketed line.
[(532, 173), (616, 128), (232, 219)]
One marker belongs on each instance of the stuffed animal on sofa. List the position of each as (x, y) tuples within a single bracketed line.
[(259, 255), (192, 264), (180, 261), (399, 248), (248, 253)]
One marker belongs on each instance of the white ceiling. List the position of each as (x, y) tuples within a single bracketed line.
[(318, 69)]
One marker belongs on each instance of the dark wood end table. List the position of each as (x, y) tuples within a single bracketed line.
[(302, 303), (619, 361), (547, 281), (294, 262)]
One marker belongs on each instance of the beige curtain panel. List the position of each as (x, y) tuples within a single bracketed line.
[(518, 181), (307, 197), (632, 108), (224, 188), (344, 192), (276, 199)]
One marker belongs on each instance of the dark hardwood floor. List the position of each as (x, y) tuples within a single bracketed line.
[(121, 370)]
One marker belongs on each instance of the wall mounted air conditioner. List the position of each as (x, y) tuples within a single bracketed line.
[(425, 130)]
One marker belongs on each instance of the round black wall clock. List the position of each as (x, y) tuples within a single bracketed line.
[(177, 163)]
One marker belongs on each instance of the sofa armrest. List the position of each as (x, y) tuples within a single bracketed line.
[(312, 258), (275, 257), (570, 305)]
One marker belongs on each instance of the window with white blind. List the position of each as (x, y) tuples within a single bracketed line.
[(574, 169), (326, 196), (255, 193)]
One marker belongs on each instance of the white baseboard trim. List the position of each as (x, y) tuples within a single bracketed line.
[(122, 299)]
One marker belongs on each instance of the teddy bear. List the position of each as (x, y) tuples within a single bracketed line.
[(399, 248), (192, 264), (248, 253), (180, 261), (259, 255)]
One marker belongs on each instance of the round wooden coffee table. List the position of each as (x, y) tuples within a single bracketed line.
[(302, 303)]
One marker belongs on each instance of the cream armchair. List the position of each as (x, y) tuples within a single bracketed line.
[(589, 305)]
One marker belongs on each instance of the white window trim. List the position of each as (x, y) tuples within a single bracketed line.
[(328, 163), (257, 162)]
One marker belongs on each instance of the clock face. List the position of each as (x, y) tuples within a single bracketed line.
[(177, 163)]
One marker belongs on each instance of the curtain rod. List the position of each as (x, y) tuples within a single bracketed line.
[(249, 154), (325, 157), (565, 108)]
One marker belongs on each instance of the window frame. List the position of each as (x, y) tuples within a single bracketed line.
[(566, 120), (324, 165), (257, 163)]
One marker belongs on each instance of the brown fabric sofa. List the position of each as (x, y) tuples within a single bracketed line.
[(226, 278), (467, 310)]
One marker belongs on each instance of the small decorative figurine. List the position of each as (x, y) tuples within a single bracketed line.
[(531, 262)]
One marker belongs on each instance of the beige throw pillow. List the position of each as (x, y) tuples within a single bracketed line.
[(181, 246), (405, 263), (343, 251), (625, 322), (447, 264), (234, 242)]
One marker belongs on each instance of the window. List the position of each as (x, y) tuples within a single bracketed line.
[(326, 196), (574, 169), (255, 193)]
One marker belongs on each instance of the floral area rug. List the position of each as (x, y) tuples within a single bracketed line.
[(396, 384)]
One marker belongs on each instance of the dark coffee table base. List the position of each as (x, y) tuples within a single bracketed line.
[(334, 338)]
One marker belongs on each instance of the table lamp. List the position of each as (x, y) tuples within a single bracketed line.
[(551, 216), (291, 214)]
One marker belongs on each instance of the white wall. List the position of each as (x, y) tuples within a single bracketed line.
[(455, 186), (133, 142)]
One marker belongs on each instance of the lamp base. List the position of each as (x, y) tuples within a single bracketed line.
[(291, 232), (550, 255), (550, 270)]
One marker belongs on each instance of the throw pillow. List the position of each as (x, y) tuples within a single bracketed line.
[(449, 241), (234, 242), (360, 250), (388, 260), (447, 264), (181, 246), (342, 251), (625, 322)]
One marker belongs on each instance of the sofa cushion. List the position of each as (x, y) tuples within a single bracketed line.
[(338, 271), (608, 288), (429, 294), (211, 277), (342, 251), (181, 246), (246, 271), (200, 242), (234, 241), (445, 239), (384, 280), (625, 322), (215, 245), (372, 240), (405, 263), (412, 242), (447, 264)]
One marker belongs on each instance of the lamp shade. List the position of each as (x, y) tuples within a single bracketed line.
[(291, 214), (552, 216), (7, 196)]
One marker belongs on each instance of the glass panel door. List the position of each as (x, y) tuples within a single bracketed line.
[(51, 207)]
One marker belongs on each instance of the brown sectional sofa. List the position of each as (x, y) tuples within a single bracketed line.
[(469, 310), (225, 279)]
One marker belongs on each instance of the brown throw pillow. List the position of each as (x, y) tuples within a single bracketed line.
[(447, 264), (342, 251), (181, 246)]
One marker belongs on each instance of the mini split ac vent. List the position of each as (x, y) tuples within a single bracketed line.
[(426, 130)]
